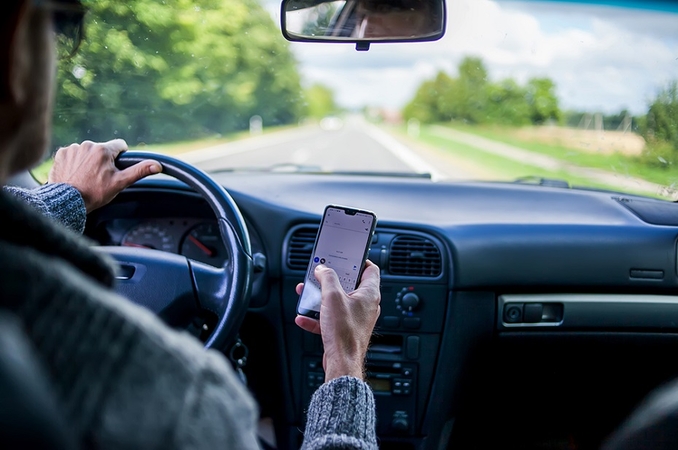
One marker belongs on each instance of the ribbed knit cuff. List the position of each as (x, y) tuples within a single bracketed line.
[(341, 415), (58, 201)]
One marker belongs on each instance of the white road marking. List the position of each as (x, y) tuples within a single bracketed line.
[(401, 151)]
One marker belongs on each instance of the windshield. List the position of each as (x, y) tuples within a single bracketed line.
[(564, 94)]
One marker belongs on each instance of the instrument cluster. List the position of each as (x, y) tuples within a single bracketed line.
[(197, 239)]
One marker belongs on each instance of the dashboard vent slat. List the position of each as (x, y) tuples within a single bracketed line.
[(300, 248), (414, 256)]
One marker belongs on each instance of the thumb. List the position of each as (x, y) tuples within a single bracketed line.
[(328, 279), (138, 171)]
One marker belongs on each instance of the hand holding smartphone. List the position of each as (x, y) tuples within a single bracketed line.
[(342, 244)]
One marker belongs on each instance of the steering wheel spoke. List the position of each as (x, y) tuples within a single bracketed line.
[(164, 278)]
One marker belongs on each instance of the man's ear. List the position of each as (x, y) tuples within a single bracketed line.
[(12, 15)]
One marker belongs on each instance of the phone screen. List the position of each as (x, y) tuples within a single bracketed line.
[(342, 244)]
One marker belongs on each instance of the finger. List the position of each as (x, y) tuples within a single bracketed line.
[(116, 146), (136, 172), (371, 277), (299, 288), (308, 324), (328, 279), (65, 148)]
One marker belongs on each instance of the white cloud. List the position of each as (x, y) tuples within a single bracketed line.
[(601, 58)]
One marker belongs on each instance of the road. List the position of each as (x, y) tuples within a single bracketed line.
[(360, 146), (356, 146)]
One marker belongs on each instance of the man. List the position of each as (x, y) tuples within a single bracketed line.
[(121, 378), (82, 179)]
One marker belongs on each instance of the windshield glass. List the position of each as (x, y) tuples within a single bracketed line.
[(554, 93)]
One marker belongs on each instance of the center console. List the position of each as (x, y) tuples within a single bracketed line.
[(404, 348)]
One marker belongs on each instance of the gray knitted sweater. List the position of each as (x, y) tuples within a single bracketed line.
[(124, 379)]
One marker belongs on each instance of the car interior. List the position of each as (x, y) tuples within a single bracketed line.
[(513, 315)]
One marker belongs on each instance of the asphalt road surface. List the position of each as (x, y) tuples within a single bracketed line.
[(355, 145), (358, 146)]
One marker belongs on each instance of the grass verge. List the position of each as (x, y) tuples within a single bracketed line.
[(632, 166), (506, 169)]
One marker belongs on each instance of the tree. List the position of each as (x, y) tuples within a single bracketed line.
[(541, 97), (472, 98), (319, 101), (178, 69), (507, 105), (660, 128), (662, 117), (466, 99)]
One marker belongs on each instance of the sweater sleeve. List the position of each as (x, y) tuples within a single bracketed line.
[(59, 201), (341, 416)]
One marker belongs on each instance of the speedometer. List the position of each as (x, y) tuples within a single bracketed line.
[(203, 243), (150, 235)]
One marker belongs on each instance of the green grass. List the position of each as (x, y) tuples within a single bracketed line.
[(504, 169), (616, 162)]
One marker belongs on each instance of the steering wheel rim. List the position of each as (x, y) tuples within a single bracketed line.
[(224, 291)]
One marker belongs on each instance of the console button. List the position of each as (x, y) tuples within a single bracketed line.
[(400, 421), (390, 322), (513, 312)]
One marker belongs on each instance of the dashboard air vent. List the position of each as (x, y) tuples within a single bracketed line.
[(414, 256), (300, 247)]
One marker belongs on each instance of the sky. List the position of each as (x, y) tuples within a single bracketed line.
[(602, 58)]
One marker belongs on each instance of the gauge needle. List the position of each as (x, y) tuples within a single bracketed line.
[(200, 245)]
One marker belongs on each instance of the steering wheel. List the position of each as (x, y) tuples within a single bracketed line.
[(176, 288)]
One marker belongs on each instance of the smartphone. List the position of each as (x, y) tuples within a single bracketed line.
[(342, 244)]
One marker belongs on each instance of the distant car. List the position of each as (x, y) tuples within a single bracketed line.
[(331, 123)]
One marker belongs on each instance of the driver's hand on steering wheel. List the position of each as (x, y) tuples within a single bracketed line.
[(346, 320), (90, 168)]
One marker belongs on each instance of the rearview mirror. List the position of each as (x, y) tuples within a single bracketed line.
[(363, 21)]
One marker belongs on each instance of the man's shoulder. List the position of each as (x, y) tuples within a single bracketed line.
[(124, 375)]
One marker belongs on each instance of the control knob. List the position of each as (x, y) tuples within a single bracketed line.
[(410, 301)]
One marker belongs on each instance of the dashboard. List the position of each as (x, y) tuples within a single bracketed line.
[(195, 238), (504, 306)]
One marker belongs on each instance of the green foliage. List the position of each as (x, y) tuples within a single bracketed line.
[(660, 128), (153, 71), (465, 98), (472, 98), (508, 104), (541, 97), (660, 154), (430, 101), (319, 101)]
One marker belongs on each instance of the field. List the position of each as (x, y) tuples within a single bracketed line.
[(608, 159), (590, 141)]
